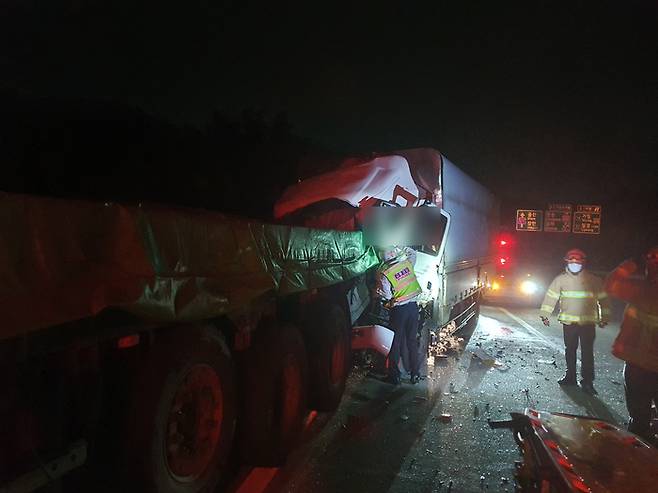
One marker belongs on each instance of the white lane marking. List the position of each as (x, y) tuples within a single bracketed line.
[(532, 330)]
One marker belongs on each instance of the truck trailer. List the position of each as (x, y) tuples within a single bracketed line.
[(146, 347)]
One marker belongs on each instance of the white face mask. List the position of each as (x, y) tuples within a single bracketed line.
[(574, 268)]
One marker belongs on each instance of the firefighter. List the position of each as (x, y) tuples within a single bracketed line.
[(637, 342), (399, 289), (582, 304)]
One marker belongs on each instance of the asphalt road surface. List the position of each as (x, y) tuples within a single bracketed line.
[(393, 439)]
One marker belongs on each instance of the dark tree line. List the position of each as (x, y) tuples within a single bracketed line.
[(103, 151)]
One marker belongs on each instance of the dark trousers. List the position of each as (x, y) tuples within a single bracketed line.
[(404, 321), (585, 334), (641, 388)]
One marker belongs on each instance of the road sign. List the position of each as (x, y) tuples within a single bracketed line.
[(587, 219), (529, 220), (557, 221), (560, 207), (593, 209)]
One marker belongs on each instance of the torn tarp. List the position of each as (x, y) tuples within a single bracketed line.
[(66, 260)]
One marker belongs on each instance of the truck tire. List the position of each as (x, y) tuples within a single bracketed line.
[(274, 383), (329, 348), (181, 421)]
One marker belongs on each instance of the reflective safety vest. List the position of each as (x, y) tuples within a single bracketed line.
[(637, 342), (403, 281), (581, 297)]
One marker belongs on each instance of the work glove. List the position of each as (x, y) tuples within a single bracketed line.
[(545, 320)]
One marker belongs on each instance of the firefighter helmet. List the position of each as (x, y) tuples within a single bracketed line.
[(576, 256)]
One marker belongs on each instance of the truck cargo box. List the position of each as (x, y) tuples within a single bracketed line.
[(64, 260)]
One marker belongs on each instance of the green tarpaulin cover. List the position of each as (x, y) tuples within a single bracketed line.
[(64, 260)]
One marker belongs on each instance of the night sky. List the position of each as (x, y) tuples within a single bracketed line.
[(542, 101)]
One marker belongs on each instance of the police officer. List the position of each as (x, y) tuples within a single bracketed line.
[(399, 288), (583, 303), (637, 342)]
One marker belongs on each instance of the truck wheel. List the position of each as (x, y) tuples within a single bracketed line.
[(274, 395), (182, 418), (329, 348)]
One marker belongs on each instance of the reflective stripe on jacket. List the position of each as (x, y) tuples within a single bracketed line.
[(403, 281), (581, 299)]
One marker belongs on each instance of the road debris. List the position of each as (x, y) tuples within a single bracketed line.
[(484, 357), (445, 418), (444, 342)]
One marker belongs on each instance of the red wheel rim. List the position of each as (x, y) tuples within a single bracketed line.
[(194, 423)]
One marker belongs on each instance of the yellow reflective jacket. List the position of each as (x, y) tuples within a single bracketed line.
[(581, 297)]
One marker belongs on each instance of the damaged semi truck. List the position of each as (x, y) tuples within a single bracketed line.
[(144, 347)]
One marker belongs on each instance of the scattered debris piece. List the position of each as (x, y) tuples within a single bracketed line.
[(615, 382), (444, 342), (547, 361), (476, 412), (404, 417), (428, 451), (484, 357), (445, 418)]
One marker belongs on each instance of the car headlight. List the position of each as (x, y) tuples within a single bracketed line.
[(529, 287), (495, 286)]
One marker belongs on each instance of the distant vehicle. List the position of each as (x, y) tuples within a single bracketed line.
[(521, 278)]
